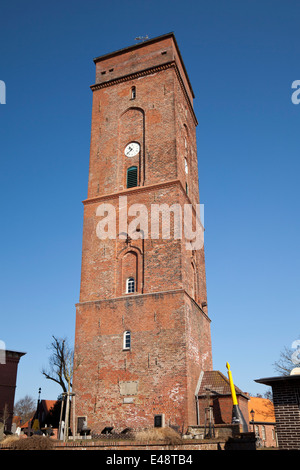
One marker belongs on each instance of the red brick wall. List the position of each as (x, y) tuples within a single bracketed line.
[(286, 397), (8, 378), (163, 264), (222, 408), (165, 360), (167, 316), (266, 433), (159, 51)]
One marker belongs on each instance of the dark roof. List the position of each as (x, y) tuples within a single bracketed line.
[(15, 352), (281, 378), (216, 383)]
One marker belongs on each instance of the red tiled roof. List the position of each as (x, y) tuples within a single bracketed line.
[(48, 404), (263, 408), (25, 425), (215, 382)]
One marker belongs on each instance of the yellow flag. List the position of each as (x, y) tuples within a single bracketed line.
[(36, 425)]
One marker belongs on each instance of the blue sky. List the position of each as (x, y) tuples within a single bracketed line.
[(242, 58)]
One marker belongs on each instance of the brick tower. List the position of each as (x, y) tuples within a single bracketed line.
[(142, 330)]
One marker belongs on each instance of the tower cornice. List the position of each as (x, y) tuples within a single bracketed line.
[(150, 71), (146, 43), (145, 294), (137, 189)]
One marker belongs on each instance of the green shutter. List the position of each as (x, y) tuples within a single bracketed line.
[(132, 177)]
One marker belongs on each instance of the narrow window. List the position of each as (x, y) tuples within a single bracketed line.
[(186, 188), (186, 167), (194, 281), (132, 177), (130, 285), (81, 423), (127, 340), (133, 92), (158, 421)]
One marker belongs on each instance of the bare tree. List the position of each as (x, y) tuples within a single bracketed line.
[(288, 359), (61, 368), (25, 408), (267, 394), (60, 364), (5, 416)]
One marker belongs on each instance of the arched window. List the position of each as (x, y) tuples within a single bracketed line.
[(132, 177), (130, 285), (126, 340)]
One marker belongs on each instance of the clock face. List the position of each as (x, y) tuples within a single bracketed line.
[(132, 149)]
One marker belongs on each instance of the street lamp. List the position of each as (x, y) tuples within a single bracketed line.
[(252, 412)]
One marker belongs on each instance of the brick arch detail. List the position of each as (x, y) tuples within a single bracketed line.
[(129, 267), (131, 128)]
